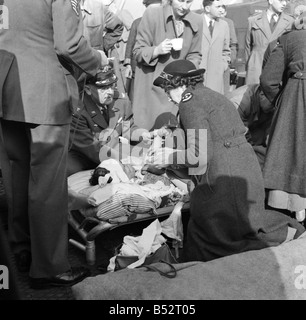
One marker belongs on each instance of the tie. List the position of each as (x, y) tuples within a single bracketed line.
[(273, 22), (211, 27)]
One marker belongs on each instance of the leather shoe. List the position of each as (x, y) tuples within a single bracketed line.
[(23, 260), (66, 279)]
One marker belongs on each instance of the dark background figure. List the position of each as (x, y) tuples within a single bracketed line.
[(256, 112), (283, 81), (46, 38), (118, 50), (9, 83), (227, 209), (233, 44)]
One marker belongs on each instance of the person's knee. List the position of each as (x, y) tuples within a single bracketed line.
[(73, 166)]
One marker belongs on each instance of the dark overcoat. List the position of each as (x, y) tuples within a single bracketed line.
[(227, 214), (285, 167)]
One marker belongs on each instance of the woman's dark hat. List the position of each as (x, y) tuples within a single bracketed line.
[(148, 2), (103, 78), (182, 68)]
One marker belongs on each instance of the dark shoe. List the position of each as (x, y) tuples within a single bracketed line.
[(66, 279), (23, 260)]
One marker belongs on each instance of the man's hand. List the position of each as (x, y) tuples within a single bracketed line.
[(106, 135), (163, 48), (104, 59), (128, 73)]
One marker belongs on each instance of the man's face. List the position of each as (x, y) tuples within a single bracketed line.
[(223, 11), (181, 7), (215, 10), (103, 96), (278, 6)]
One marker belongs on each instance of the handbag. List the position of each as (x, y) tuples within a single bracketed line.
[(162, 254)]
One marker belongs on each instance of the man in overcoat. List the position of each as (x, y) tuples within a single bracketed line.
[(153, 50), (216, 52), (46, 38), (263, 28)]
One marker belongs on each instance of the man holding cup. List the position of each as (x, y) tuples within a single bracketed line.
[(154, 49)]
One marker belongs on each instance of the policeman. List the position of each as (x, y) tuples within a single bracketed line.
[(46, 38), (98, 125)]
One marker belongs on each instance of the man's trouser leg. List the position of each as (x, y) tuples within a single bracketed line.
[(40, 199), (15, 162), (48, 200)]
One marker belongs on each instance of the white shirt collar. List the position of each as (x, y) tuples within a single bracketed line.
[(270, 13), (208, 19), (85, 7)]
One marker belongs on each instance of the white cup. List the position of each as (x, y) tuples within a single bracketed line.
[(177, 44)]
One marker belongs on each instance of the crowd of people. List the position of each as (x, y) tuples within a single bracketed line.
[(76, 76)]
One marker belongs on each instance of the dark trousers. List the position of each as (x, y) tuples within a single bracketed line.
[(36, 185), (78, 162)]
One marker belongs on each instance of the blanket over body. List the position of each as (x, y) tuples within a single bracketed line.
[(275, 273)]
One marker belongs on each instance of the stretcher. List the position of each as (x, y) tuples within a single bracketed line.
[(88, 235)]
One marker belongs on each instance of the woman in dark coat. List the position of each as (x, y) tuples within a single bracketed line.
[(285, 164), (227, 214)]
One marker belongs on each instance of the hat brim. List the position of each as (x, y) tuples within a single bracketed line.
[(160, 80), (101, 86)]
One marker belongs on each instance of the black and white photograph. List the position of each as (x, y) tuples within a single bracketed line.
[(152, 153)]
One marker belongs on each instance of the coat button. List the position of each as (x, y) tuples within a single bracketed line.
[(227, 144)]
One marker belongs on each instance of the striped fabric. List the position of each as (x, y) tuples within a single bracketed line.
[(120, 205)]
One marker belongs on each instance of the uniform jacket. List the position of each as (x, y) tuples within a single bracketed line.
[(227, 212), (257, 39), (88, 122), (101, 26), (10, 94), (150, 103), (216, 54), (286, 155), (48, 89)]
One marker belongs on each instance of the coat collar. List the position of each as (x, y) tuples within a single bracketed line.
[(188, 17), (86, 7), (206, 30), (262, 22)]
